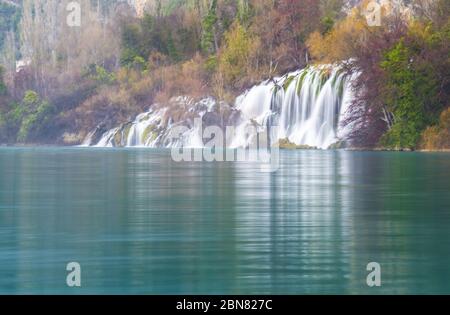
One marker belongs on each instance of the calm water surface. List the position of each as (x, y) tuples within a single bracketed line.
[(138, 222)]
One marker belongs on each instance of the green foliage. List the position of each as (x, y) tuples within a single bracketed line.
[(245, 12), (130, 43), (139, 63), (300, 81), (402, 71), (101, 75), (164, 35), (2, 83), (288, 82), (404, 88), (219, 47), (211, 63), (234, 59), (172, 50), (9, 21), (327, 25), (414, 84), (33, 114), (209, 28)]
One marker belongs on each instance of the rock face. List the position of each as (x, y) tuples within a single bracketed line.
[(407, 8)]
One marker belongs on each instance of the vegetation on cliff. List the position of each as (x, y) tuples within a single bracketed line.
[(403, 73), (116, 63)]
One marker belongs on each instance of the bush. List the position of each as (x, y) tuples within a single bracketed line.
[(438, 137), (102, 76), (34, 115)]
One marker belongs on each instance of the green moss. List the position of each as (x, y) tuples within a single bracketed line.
[(150, 134), (338, 145), (288, 82), (285, 144), (126, 130), (337, 75), (324, 76), (275, 89), (300, 81), (341, 89)]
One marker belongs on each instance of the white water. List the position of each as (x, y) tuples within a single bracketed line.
[(306, 107)]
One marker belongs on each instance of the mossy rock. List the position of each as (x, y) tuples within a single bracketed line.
[(118, 139), (288, 82), (126, 131), (150, 134), (338, 145), (72, 138), (285, 144), (300, 81)]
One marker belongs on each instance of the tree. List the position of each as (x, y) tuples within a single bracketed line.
[(210, 43), (406, 91), (296, 19), (417, 82), (130, 44), (9, 20), (234, 60), (368, 113), (2, 83), (401, 81), (58, 51), (35, 115), (341, 42)]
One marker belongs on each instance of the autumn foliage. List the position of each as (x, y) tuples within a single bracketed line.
[(401, 72), (117, 64), (438, 136)]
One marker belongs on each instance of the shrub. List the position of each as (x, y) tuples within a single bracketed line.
[(35, 114), (438, 137)]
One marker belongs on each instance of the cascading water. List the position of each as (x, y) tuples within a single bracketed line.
[(305, 107), (311, 106)]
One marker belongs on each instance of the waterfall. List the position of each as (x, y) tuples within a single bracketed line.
[(304, 107)]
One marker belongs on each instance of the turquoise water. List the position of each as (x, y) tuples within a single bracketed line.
[(139, 223)]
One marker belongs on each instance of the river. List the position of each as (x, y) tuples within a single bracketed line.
[(139, 223)]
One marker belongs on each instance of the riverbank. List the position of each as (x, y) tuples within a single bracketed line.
[(282, 145), (397, 150)]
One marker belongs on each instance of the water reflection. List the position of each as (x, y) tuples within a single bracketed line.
[(139, 223), (293, 226)]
